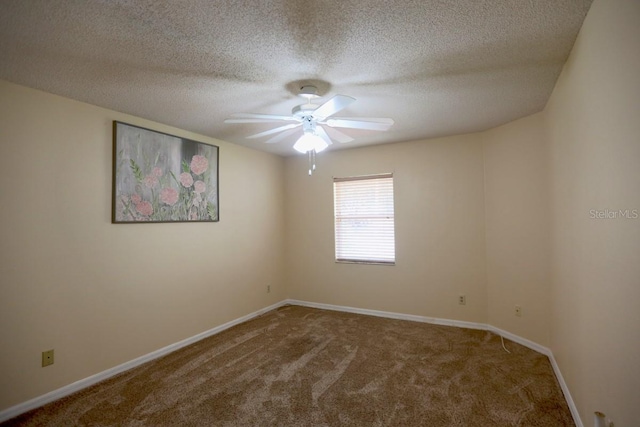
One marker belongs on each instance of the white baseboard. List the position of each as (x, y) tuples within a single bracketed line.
[(389, 314), (522, 341), (546, 351), (21, 408), (567, 394)]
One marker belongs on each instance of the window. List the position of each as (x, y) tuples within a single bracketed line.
[(364, 222)]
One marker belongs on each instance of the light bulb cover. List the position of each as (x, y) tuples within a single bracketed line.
[(309, 142)]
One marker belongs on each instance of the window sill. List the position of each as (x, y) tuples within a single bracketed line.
[(349, 261)]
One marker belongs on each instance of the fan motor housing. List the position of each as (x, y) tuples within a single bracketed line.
[(302, 111)]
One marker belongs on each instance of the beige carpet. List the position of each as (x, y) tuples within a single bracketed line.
[(298, 366)]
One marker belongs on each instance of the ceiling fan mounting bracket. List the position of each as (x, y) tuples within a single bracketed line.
[(309, 92)]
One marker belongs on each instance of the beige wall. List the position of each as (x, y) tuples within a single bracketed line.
[(502, 216), (103, 294), (439, 210), (593, 121), (577, 278), (517, 228)]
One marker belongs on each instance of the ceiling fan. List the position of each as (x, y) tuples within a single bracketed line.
[(316, 122)]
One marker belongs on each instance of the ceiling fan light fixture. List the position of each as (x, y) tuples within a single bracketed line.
[(309, 142)]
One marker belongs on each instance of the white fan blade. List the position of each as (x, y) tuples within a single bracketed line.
[(281, 136), (332, 106), (381, 124), (337, 135), (384, 120), (322, 134), (262, 116), (272, 131)]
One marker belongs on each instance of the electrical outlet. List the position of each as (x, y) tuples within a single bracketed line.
[(518, 311), (47, 358), (268, 289), (462, 299)]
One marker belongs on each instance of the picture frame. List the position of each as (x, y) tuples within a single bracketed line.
[(159, 177)]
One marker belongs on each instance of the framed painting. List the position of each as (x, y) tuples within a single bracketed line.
[(162, 178)]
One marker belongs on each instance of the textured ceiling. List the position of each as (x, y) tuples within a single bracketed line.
[(437, 67)]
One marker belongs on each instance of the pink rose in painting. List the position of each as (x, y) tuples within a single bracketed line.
[(144, 208), (186, 179), (135, 198), (199, 187), (199, 164), (157, 172), (193, 216), (150, 181), (169, 196)]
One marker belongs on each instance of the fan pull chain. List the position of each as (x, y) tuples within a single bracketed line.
[(312, 161)]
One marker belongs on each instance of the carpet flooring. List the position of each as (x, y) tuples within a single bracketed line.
[(298, 366)]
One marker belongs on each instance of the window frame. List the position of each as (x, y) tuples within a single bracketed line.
[(337, 218)]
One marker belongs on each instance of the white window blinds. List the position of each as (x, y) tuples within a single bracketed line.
[(364, 219)]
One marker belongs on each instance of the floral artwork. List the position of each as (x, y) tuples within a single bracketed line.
[(162, 178)]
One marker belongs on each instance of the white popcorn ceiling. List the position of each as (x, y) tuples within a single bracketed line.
[(436, 67)]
